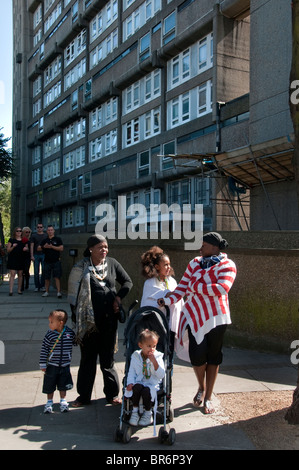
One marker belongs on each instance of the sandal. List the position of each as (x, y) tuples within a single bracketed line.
[(114, 401), (208, 407), (78, 404), (197, 400)]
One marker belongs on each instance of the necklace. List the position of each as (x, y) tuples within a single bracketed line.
[(164, 282), (145, 371), (100, 272)]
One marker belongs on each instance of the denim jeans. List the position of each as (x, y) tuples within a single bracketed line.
[(39, 281)]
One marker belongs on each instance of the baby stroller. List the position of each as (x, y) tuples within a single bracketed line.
[(153, 319)]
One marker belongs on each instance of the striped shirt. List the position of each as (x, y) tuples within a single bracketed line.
[(62, 353), (206, 292)]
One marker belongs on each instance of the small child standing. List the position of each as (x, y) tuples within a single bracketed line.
[(55, 359), (145, 374)]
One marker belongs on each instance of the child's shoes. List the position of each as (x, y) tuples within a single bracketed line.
[(134, 418), (48, 407), (146, 419)]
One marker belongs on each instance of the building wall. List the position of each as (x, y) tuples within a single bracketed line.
[(263, 299)]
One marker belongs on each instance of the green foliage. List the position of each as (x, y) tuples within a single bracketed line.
[(6, 160)]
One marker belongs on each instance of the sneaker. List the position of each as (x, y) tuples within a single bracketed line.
[(64, 406), (36, 289), (146, 419), (48, 408), (43, 289), (45, 294), (59, 295), (134, 418)]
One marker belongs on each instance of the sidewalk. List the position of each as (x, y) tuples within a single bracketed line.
[(23, 426)]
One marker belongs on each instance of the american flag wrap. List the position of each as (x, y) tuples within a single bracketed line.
[(206, 292)]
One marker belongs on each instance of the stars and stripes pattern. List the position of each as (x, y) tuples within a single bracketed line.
[(206, 292)]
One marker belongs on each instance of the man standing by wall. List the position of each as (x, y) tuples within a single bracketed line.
[(52, 246), (38, 257)]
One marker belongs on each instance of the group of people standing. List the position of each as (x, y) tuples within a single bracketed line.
[(43, 249), (199, 311)]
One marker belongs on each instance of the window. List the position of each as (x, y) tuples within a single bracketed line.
[(101, 51), (75, 74), (180, 68), (52, 71), (169, 24), (74, 159), (205, 52), (144, 45), (51, 170), (73, 187), (74, 132), (205, 98), (168, 149), (179, 110), (103, 115), (75, 48), (202, 191), (86, 183), (36, 155), (179, 192), (142, 91), (144, 163), (139, 17), (36, 177)]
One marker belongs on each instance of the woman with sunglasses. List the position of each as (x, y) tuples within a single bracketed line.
[(15, 261)]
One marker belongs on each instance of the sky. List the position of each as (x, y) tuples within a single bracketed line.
[(6, 62)]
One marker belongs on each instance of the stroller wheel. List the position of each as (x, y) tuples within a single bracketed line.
[(171, 437), (118, 435), (127, 433), (163, 435)]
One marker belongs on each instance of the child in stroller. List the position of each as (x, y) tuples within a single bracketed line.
[(145, 374), (152, 319)]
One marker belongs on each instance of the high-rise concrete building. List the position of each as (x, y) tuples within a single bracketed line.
[(160, 101)]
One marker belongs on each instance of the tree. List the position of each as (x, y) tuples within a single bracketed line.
[(6, 171), (292, 415)]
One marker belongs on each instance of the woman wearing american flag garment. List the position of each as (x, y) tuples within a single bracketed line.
[(205, 314)]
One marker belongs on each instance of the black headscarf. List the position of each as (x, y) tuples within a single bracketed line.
[(214, 238)]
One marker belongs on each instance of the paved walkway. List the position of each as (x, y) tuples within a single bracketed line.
[(23, 426)]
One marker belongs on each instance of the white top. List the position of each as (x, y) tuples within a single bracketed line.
[(153, 290)]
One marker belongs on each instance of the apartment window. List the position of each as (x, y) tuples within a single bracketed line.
[(144, 164), (37, 107), (52, 94), (51, 170), (139, 17), (205, 52), (110, 142), (180, 68), (144, 47), (101, 51), (52, 145), (169, 25), (52, 71), (75, 74), (73, 187), (152, 123), (86, 183), (74, 132), (36, 177), (103, 19), (36, 155), (74, 49), (103, 115), (132, 132), (37, 16), (202, 191), (142, 91), (96, 149), (205, 98), (37, 37), (179, 192), (52, 17), (179, 110), (168, 149), (74, 159)]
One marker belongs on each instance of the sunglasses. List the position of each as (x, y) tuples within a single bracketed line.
[(18, 230)]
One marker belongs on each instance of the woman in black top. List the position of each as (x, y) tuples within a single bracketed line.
[(95, 302), (15, 260)]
